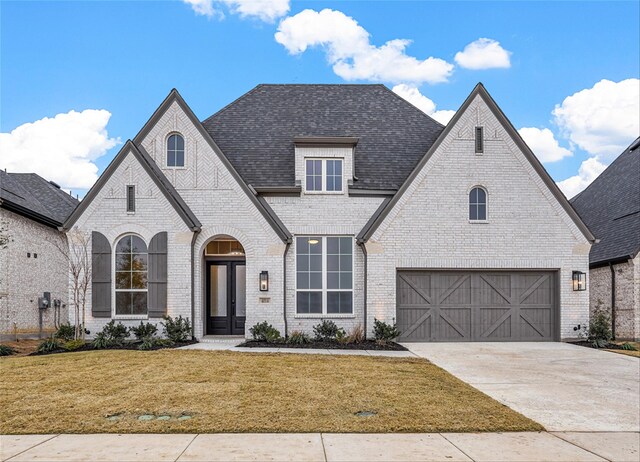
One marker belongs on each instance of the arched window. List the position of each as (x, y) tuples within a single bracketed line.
[(477, 204), (175, 151), (131, 276)]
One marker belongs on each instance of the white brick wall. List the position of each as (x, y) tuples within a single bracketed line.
[(223, 208), (108, 215), (23, 279), (429, 226), (322, 215)]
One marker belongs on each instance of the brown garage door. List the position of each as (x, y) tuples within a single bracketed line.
[(476, 306)]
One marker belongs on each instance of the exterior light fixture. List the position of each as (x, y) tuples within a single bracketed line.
[(579, 280), (264, 281), (313, 241)]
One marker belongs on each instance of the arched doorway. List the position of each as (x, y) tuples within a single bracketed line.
[(225, 287)]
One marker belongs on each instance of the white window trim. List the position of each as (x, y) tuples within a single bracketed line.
[(323, 177), (324, 289), (166, 152), (486, 205), (130, 317)]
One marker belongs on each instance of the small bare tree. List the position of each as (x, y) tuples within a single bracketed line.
[(74, 246)]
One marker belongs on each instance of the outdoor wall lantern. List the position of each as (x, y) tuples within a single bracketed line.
[(579, 280), (264, 281)]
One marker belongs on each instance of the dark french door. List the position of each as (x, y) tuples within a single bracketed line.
[(226, 297)]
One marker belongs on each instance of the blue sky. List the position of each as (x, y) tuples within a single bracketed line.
[(124, 57)]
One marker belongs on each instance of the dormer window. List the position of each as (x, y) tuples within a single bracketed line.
[(175, 151), (323, 175)]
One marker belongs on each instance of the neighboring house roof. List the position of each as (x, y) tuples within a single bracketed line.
[(479, 89), (156, 175), (30, 195), (610, 206), (256, 132)]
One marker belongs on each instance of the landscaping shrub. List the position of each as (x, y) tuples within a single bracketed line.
[(150, 342), (6, 350), (116, 333), (176, 329), (342, 337), (144, 330), (384, 332), (71, 345), (298, 338), (65, 332), (356, 334), (600, 329), (49, 345), (327, 330), (628, 346), (101, 341), (265, 332)]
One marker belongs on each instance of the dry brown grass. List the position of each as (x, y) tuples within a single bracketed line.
[(240, 392)]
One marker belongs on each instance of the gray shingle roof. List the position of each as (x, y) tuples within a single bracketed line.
[(610, 206), (256, 131), (33, 196)]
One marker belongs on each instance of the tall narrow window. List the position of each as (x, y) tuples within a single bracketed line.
[(477, 204), (175, 151), (131, 198), (324, 273), (314, 175), (131, 276), (479, 140), (334, 175)]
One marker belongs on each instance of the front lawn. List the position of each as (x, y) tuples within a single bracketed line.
[(206, 392)]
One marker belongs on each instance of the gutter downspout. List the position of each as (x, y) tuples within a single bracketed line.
[(613, 301), (364, 252), (284, 286), (193, 277)]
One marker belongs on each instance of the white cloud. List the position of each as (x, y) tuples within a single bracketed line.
[(413, 95), (589, 171), (544, 145), (602, 120), (265, 10), (61, 148), (349, 50), (484, 53)]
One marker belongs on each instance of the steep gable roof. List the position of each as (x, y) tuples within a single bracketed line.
[(154, 173), (262, 206), (257, 131), (371, 226), (610, 206), (30, 195)]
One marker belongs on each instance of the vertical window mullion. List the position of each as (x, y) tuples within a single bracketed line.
[(324, 275)]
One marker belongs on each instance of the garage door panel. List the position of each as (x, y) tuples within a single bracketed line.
[(476, 305)]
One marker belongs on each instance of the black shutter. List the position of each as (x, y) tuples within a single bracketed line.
[(157, 276), (100, 276)]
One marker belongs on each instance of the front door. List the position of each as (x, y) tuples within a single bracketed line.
[(225, 295)]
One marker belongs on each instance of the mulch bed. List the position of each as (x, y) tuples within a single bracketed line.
[(609, 346), (331, 345), (131, 345)]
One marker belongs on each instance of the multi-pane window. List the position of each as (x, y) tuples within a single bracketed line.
[(324, 275), (477, 204), (334, 175), (323, 175), (175, 151), (314, 175), (131, 276)]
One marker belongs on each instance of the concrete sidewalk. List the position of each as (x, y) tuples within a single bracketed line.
[(326, 447)]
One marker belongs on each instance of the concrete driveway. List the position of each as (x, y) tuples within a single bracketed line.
[(563, 387)]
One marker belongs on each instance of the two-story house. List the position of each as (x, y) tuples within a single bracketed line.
[(297, 203)]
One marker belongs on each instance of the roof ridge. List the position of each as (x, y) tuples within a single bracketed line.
[(232, 103)]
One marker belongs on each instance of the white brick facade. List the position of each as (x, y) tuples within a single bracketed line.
[(429, 226), (30, 265)]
